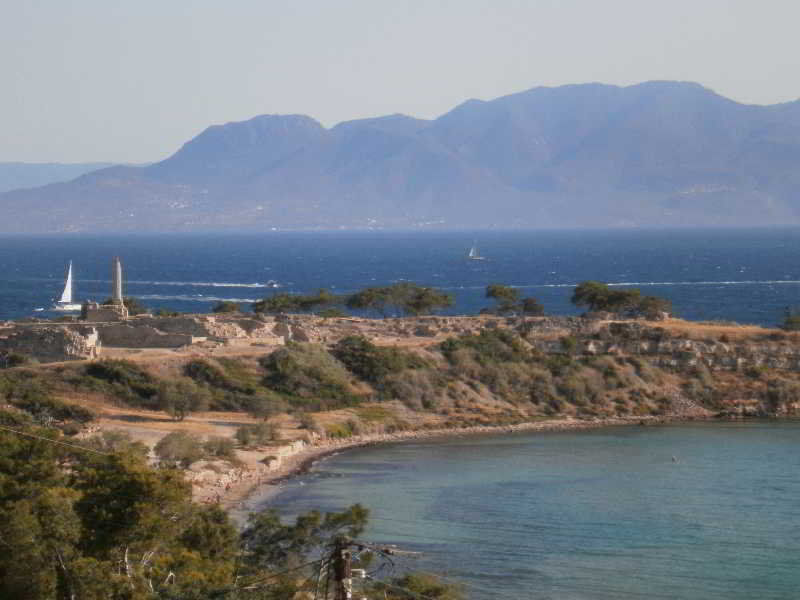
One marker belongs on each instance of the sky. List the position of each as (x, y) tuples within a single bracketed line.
[(131, 81)]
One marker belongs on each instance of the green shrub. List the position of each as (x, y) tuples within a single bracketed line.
[(225, 306), (127, 381), (9, 360), (308, 374), (30, 393), (116, 442), (489, 346), (373, 363), (181, 397), (202, 371), (179, 448), (256, 435), (220, 447)]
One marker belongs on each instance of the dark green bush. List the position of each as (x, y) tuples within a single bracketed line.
[(255, 435), (489, 346), (220, 447), (29, 392), (308, 375), (125, 380), (181, 397), (204, 372), (179, 448), (373, 363)]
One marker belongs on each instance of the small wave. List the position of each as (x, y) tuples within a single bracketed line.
[(194, 298), (633, 283), (212, 284)]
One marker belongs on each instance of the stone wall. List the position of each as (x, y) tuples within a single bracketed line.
[(51, 343), (140, 335)]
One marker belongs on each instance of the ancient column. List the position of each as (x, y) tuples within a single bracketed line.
[(116, 280)]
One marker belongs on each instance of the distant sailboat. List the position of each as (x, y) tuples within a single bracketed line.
[(474, 254), (65, 303)]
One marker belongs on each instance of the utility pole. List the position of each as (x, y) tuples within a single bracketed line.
[(342, 570)]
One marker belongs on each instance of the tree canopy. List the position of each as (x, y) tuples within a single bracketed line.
[(598, 296), (296, 303), (100, 524), (402, 298)]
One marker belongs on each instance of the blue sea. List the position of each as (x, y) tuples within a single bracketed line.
[(745, 275), (604, 514), (691, 512)]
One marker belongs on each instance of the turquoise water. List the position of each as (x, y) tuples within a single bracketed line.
[(699, 511)]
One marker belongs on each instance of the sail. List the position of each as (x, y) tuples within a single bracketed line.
[(66, 296), (473, 252)]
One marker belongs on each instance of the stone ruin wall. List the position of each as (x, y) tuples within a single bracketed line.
[(52, 343)]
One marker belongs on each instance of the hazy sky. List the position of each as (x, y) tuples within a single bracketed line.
[(130, 81)]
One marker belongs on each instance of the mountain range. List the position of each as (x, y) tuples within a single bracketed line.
[(587, 155), (16, 175)]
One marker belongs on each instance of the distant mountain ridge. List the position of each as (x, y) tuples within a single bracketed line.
[(656, 153), (18, 175)]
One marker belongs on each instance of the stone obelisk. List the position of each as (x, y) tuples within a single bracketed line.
[(116, 281)]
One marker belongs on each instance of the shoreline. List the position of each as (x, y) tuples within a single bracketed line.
[(243, 497)]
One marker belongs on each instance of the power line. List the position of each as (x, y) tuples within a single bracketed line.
[(259, 583), (45, 439)]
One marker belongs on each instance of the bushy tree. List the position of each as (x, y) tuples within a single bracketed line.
[(598, 296), (506, 298), (179, 449), (182, 397), (403, 298), (225, 306), (531, 307), (295, 303), (309, 373), (373, 363)]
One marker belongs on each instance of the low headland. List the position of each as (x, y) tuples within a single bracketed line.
[(258, 397)]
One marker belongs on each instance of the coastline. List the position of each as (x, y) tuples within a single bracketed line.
[(245, 495)]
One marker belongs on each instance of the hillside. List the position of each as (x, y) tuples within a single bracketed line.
[(18, 175), (657, 153), (276, 402)]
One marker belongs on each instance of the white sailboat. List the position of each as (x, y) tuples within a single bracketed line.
[(65, 303), (474, 254)]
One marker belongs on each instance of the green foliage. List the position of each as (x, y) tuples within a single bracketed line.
[(506, 298), (270, 544), (166, 312), (125, 380), (225, 306), (265, 405), (373, 363), (256, 435), (295, 303), (489, 346), (116, 442), (403, 298), (220, 447), (181, 397), (77, 525), (332, 313), (413, 586), (9, 360), (308, 375), (791, 319), (179, 449), (531, 307), (597, 296), (29, 392)]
